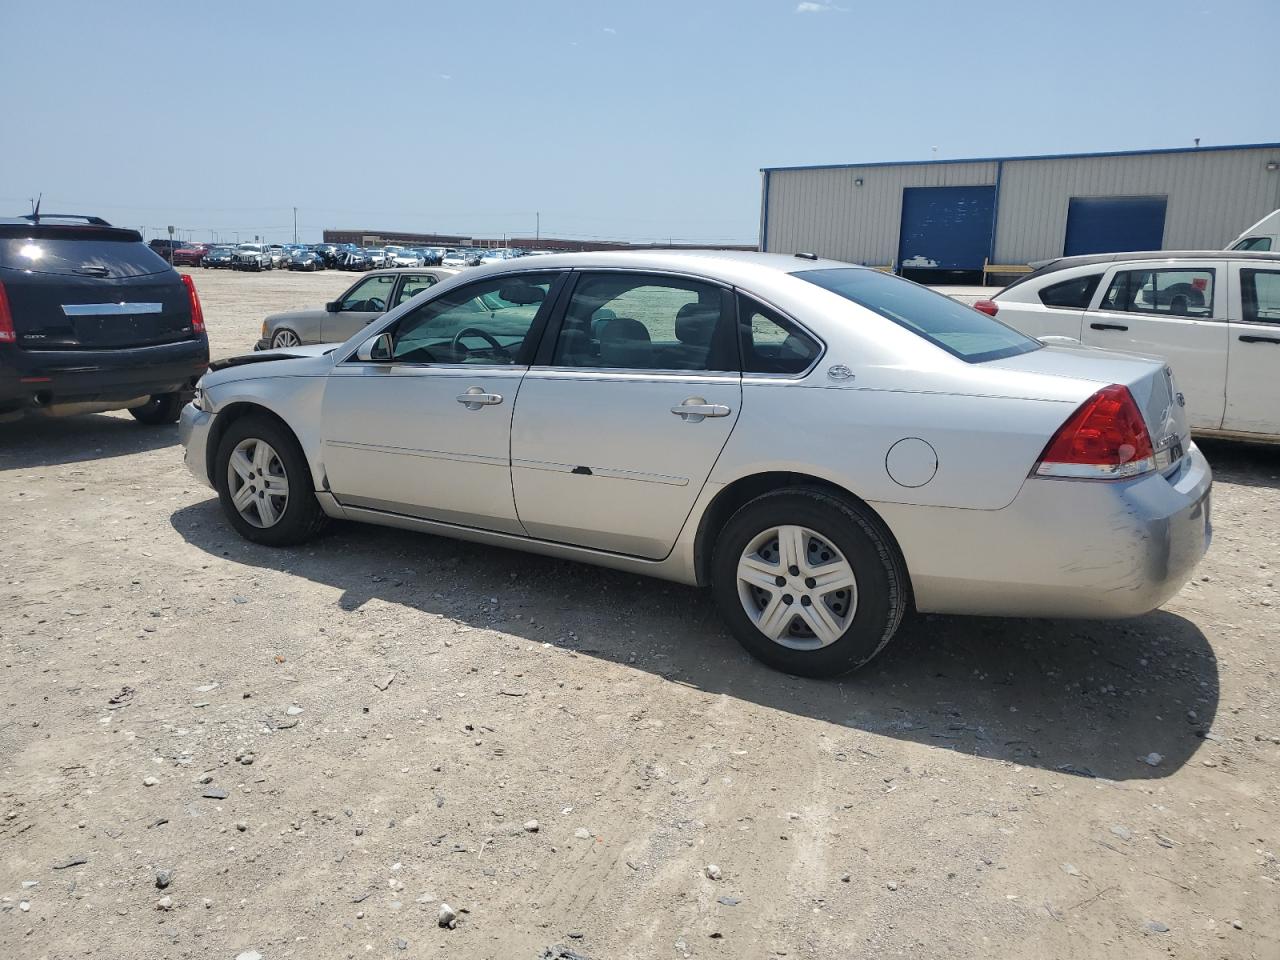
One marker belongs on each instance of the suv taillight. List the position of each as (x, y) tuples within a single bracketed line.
[(7, 333), (989, 307), (197, 313), (1106, 439)]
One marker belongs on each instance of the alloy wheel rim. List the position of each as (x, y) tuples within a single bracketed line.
[(258, 483), (286, 338), (797, 588)]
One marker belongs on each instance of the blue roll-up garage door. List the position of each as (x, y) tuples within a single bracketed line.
[(946, 228), (1114, 224)]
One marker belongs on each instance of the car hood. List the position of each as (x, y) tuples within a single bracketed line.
[(313, 360)]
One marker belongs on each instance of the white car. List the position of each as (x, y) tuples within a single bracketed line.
[(1213, 315), (824, 445)]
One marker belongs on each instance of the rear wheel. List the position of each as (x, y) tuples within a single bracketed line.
[(264, 483), (160, 409), (809, 583)]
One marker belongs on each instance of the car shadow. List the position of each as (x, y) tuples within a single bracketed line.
[(1238, 461), (45, 441), (1090, 698)]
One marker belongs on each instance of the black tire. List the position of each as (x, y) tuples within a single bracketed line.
[(882, 584), (161, 409), (302, 518)]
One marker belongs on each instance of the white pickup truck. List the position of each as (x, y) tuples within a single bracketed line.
[(1263, 235)]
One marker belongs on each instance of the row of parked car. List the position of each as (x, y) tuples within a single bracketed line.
[(321, 256)]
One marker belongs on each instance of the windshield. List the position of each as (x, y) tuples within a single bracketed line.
[(250, 248), (960, 330)]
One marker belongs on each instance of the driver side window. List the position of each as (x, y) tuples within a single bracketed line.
[(482, 323), (370, 295)]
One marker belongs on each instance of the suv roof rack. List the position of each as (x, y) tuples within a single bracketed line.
[(37, 217)]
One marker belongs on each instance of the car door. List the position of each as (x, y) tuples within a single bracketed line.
[(363, 303), (1253, 350), (1175, 310), (427, 433), (620, 421)]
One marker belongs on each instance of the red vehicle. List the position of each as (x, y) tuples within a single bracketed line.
[(189, 254)]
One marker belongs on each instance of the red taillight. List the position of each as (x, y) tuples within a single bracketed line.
[(989, 307), (197, 314), (1106, 439), (7, 333)]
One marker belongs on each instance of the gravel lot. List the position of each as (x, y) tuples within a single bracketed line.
[(322, 744)]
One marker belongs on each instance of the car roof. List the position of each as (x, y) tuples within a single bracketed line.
[(676, 260), (396, 271), (1049, 267), (1082, 260)]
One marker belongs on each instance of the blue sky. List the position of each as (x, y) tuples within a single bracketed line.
[(643, 120)]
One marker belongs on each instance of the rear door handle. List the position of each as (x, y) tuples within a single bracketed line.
[(696, 409), (1108, 326), (1250, 338), (475, 398)]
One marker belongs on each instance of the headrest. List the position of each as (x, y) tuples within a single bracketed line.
[(624, 328), (521, 293), (696, 323)]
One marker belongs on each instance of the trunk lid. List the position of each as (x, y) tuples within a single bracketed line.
[(1150, 380), (90, 288)]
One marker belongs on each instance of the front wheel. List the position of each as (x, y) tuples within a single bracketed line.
[(264, 483), (809, 583), (283, 339), (160, 409)]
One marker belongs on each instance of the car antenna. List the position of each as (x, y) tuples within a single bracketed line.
[(35, 207)]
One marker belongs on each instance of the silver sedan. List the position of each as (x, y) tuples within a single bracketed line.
[(364, 301), (823, 445)]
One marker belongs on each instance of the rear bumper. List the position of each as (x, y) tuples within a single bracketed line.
[(1063, 548), (43, 381), (193, 432)]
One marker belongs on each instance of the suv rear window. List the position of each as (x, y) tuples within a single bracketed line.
[(1075, 293), (960, 330), (80, 255)]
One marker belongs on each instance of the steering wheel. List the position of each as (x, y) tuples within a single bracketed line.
[(460, 347), (375, 303)]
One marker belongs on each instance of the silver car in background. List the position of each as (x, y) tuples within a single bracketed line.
[(363, 302), (823, 445)]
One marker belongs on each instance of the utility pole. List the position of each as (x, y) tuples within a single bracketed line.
[(537, 230), (295, 224)]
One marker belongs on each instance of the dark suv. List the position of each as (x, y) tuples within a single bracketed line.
[(93, 320)]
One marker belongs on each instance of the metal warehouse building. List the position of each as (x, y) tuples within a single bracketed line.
[(957, 215)]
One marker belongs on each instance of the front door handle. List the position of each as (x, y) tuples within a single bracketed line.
[(696, 409), (475, 398), (1108, 326), (1250, 338)]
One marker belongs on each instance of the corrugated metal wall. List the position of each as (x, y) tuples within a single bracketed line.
[(1213, 196), (825, 212)]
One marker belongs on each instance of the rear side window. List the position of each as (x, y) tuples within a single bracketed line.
[(1260, 295), (770, 342), (90, 256), (960, 330), (1176, 293), (1253, 243), (1074, 293)]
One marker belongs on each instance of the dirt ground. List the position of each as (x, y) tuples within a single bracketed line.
[(322, 744)]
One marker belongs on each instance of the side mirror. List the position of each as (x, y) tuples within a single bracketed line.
[(375, 349), (333, 306)]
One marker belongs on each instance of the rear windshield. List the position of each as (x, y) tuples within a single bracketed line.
[(87, 255), (960, 330)]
